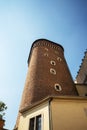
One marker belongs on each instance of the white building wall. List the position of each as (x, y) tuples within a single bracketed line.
[(42, 109)]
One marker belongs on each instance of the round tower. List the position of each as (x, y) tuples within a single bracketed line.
[(48, 73)]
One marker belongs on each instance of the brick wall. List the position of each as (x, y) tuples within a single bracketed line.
[(46, 67)]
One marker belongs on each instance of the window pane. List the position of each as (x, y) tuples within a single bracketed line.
[(38, 122), (31, 126)]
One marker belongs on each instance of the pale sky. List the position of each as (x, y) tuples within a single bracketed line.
[(24, 21)]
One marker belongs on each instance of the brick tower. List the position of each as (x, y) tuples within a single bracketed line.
[(48, 73)]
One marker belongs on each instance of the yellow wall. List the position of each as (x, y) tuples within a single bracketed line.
[(69, 114), (42, 109), (82, 89)]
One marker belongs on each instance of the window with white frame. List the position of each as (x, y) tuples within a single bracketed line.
[(35, 123), (52, 62), (52, 71), (57, 87)]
